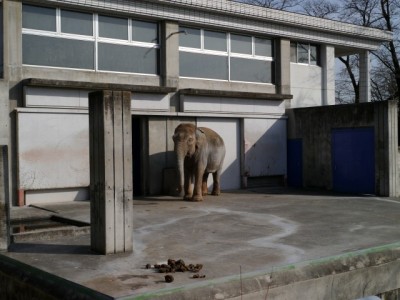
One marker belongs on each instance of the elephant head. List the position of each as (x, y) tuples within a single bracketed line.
[(185, 147)]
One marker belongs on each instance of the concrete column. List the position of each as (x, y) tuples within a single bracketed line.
[(4, 200), (170, 54), (386, 149), (328, 74), (283, 66), (365, 82), (110, 136)]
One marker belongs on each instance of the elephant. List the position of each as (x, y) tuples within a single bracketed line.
[(199, 152)]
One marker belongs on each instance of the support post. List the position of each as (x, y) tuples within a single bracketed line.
[(110, 135), (4, 200), (283, 66), (365, 79)]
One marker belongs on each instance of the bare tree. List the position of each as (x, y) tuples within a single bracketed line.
[(351, 63), (289, 5), (320, 8), (385, 73)]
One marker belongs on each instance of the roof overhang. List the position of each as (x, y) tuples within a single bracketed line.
[(242, 17)]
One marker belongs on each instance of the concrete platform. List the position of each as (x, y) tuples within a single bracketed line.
[(253, 244)]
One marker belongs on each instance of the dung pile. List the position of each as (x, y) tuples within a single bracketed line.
[(179, 265)]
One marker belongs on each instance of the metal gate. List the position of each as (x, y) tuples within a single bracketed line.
[(353, 160)]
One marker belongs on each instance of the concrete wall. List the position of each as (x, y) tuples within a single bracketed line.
[(314, 126)]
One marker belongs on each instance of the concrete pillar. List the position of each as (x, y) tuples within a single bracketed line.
[(282, 79), (386, 149), (328, 74), (170, 54), (4, 200), (110, 136), (365, 82)]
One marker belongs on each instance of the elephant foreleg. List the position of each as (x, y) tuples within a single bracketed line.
[(188, 185), (198, 182), (216, 184)]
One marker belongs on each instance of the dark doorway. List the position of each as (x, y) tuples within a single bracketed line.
[(137, 146), (353, 160)]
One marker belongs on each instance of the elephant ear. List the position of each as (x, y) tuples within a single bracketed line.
[(200, 135)]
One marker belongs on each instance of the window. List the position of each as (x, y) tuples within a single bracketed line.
[(144, 32), (39, 18), (303, 53), (214, 40), (225, 56), (241, 44), (55, 37), (190, 38), (76, 22), (112, 27)]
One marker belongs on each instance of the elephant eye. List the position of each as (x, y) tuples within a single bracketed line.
[(190, 140)]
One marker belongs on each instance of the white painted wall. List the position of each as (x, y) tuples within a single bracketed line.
[(53, 153), (72, 98), (228, 129), (306, 85), (265, 147), (231, 105), (53, 150)]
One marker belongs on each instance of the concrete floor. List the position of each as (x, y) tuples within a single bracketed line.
[(238, 234)]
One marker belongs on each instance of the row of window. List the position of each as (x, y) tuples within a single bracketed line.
[(80, 23), (225, 56), (64, 38)]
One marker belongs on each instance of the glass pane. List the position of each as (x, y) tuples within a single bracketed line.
[(190, 37), (302, 53), (36, 17), (115, 28), (215, 40), (131, 59), (145, 32), (203, 66), (241, 44), (313, 55), (263, 47), (57, 52), (251, 70), (293, 52), (76, 22)]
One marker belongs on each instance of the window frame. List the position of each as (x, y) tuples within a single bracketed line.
[(309, 62), (96, 39), (229, 54)]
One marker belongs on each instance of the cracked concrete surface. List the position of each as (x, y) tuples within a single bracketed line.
[(237, 232)]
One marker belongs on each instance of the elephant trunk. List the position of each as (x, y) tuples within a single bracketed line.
[(180, 158)]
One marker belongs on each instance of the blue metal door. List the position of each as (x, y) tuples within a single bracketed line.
[(353, 160), (295, 162)]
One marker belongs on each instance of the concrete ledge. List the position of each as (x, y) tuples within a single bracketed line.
[(46, 234), (21, 281), (96, 86), (233, 94), (348, 276)]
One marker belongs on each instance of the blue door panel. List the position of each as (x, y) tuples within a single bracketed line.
[(353, 160), (295, 162)]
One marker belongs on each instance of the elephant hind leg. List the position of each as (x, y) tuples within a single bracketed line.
[(216, 185), (204, 188)]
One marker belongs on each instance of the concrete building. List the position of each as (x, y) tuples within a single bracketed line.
[(233, 67)]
